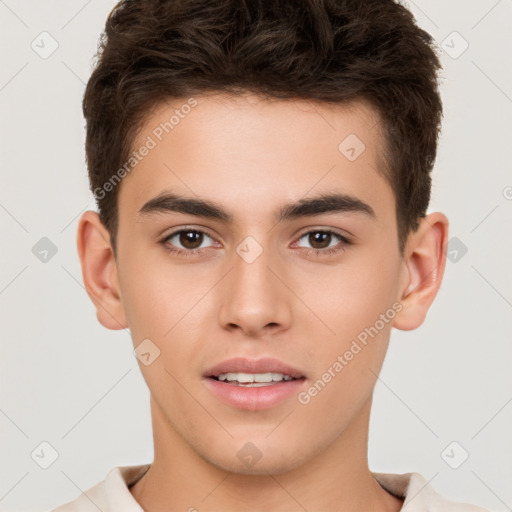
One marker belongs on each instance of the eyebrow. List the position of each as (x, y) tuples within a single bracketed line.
[(324, 203)]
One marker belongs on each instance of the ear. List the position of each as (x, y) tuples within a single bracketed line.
[(99, 271), (423, 269)]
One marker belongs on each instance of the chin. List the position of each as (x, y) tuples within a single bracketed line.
[(255, 458), (261, 468)]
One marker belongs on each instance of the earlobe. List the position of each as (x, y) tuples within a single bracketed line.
[(99, 271), (424, 264)]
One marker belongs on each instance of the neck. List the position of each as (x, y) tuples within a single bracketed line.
[(336, 479)]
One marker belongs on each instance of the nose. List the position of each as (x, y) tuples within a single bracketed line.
[(254, 297)]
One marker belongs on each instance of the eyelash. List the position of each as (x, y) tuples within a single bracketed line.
[(317, 252)]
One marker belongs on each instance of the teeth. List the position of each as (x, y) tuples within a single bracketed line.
[(247, 378)]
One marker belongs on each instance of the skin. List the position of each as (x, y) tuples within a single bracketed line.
[(251, 156)]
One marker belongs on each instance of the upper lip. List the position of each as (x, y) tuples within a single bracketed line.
[(243, 365)]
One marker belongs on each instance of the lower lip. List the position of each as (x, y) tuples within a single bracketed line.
[(254, 398)]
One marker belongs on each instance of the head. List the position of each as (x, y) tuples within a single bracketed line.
[(268, 122)]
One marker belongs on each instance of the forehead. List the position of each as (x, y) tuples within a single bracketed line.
[(255, 153)]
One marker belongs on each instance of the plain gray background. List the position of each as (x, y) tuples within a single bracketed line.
[(69, 382)]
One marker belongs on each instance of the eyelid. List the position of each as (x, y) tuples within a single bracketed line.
[(345, 239), (327, 229), (176, 231), (190, 227)]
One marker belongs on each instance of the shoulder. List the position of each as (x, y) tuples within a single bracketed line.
[(419, 495), (90, 500), (110, 494)]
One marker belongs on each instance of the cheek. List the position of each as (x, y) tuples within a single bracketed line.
[(357, 303), (163, 303), (347, 363), (156, 294), (351, 296), (147, 307)]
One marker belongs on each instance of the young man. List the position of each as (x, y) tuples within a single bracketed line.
[(262, 172)]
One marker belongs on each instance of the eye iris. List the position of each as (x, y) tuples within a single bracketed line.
[(189, 239), (193, 239), (319, 236)]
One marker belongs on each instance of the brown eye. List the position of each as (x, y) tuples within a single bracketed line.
[(318, 239), (322, 239), (186, 240), (190, 239)]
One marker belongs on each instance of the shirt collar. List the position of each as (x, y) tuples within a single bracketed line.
[(413, 488)]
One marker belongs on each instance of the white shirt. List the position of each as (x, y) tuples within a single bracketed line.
[(113, 495)]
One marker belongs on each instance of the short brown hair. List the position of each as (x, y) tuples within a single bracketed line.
[(332, 51)]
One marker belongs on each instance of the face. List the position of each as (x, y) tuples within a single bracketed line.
[(315, 288)]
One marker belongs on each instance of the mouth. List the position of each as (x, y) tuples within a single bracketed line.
[(253, 380), (253, 384), (253, 371)]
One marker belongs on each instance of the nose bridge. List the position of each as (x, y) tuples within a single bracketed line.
[(251, 267), (254, 297)]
